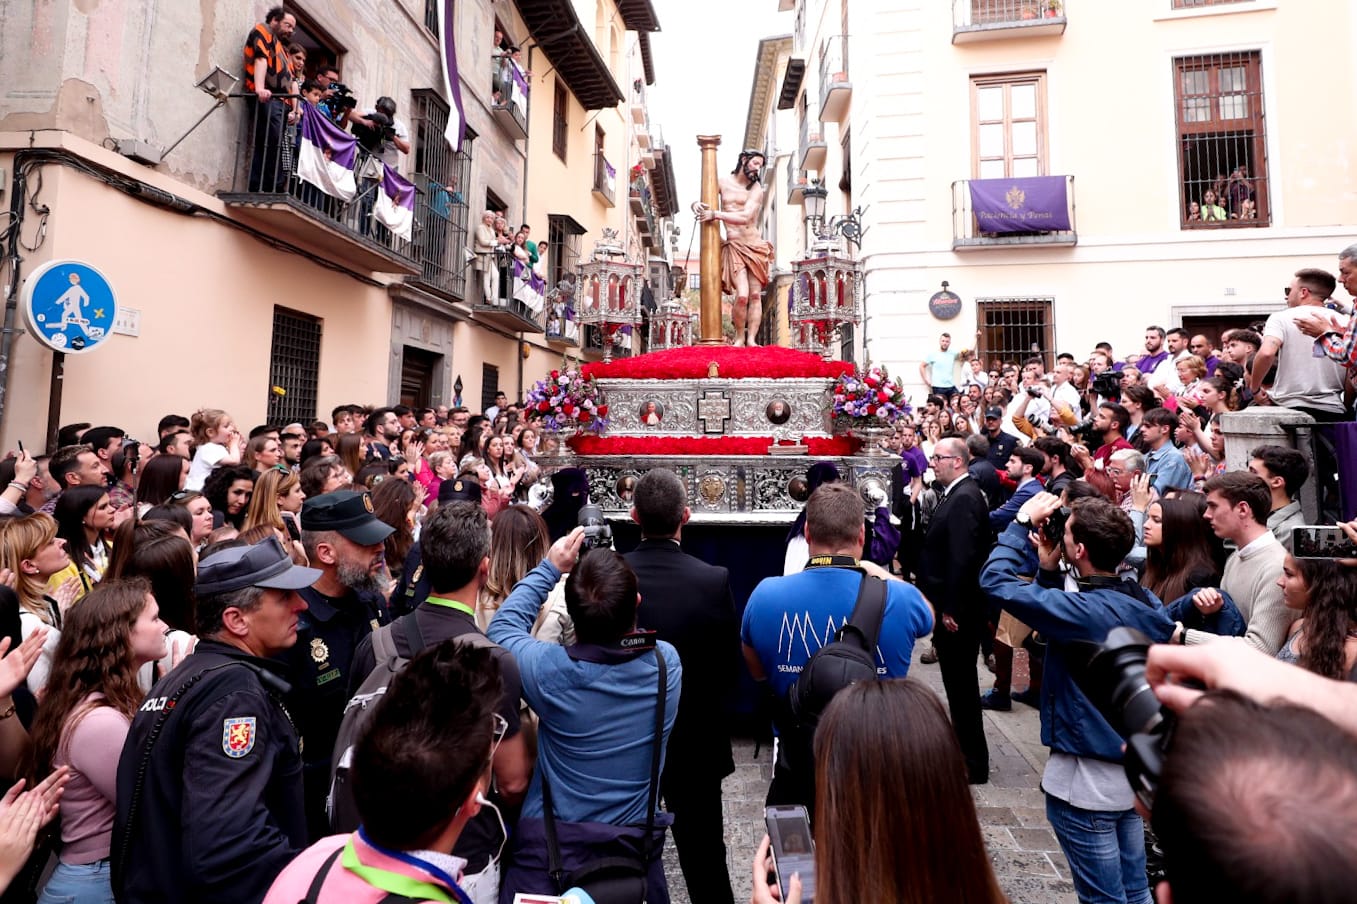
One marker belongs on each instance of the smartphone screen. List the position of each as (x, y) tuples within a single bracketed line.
[(1322, 542), (793, 849)]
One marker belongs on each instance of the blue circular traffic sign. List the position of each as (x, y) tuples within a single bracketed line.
[(70, 306)]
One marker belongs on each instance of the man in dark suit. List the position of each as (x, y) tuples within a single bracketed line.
[(688, 603), (1025, 464), (955, 548), (984, 472)]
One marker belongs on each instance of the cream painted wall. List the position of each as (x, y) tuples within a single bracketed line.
[(1111, 125), (206, 295)]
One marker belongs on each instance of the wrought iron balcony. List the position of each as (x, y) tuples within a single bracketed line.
[(519, 303), (605, 180), (797, 183), (509, 96), (267, 193), (1001, 213), (835, 88), (812, 149), (996, 20)]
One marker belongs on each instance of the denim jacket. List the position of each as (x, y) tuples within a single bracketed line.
[(1070, 722)]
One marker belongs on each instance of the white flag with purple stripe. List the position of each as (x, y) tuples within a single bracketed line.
[(395, 207), (452, 84), (325, 155)]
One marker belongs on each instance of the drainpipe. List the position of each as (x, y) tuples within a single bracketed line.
[(17, 193)]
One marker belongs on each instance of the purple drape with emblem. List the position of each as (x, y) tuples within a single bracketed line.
[(1036, 204)]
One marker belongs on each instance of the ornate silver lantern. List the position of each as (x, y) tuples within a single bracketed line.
[(609, 295), (671, 326), (826, 293)]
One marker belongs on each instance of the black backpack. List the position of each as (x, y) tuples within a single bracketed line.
[(848, 659)]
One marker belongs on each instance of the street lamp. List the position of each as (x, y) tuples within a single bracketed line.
[(820, 234), (814, 198), (217, 83)]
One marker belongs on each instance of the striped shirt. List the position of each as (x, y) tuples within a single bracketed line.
[(1342, 347), (262, 44)]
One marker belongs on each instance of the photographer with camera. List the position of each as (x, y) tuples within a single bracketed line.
[(605, 707), (384, 137), (1088, 798)]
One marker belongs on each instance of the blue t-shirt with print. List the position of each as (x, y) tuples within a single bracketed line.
[(788, 618)]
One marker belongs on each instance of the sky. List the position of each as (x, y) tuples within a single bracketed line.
[(704, 58)]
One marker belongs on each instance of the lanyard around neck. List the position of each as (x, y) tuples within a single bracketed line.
[(450, 604), (395, 883), (832, 561)]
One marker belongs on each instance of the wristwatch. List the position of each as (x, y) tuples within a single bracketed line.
[(1023, 519)]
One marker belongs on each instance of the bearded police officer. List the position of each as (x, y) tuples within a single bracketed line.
[(344, 540), (209, 783)]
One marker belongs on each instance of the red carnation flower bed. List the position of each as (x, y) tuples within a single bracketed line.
[(734, 363), (832, 446)]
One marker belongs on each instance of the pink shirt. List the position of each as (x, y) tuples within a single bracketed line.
[(91, 749), (341, 885)]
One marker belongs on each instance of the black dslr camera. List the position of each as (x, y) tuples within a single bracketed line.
[(597, 532), (371, 138), (1107, 384), (341, 97), (1113, 678)]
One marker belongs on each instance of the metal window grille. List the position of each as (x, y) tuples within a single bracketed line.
[(563, 240), (431, 15), (1015, 329), (441, 177), (294, 367), (560, 121), (489, 385), (1222, 141), (1193, 4)]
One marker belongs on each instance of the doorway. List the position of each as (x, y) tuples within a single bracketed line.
[(418, 368)]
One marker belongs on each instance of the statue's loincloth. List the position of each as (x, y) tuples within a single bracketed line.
[(743, 256)]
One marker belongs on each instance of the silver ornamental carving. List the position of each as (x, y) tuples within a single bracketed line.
[(729, 489), (806, 400)]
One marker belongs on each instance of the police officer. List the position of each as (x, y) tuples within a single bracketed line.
[(209, 793), (344, 539)]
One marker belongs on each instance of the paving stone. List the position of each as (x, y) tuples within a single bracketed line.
[(1035, 839), (996, 816), (1022, 863)]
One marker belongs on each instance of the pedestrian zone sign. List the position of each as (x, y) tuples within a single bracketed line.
[(70, 306)]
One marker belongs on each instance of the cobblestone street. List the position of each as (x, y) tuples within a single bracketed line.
[(1012, 810)]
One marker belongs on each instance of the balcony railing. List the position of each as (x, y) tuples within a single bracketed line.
[(267, 192), (990, 213), (643, 209), (812, 150), (993, 20), (519, 304), (509, 96), (835, 88), (439, 245), (605, 180), (796, 183)]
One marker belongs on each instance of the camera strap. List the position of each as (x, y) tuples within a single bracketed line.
[(833, 562), (625, 650), (1104, 582)]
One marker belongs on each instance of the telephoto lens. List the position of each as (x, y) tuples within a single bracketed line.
[(597, 532)]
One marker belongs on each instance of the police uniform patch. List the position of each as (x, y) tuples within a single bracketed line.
[(367, 503), (237, 736), (320, 653)]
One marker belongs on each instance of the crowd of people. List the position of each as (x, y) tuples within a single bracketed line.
[(299, 663)]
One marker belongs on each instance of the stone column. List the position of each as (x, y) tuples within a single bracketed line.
[(709, 316), (1272, 425)]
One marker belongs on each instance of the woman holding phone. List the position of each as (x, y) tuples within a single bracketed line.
[(894, 817)]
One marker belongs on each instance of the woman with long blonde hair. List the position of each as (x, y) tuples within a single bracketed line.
[(31, 549), (277, 498), (519, 540)]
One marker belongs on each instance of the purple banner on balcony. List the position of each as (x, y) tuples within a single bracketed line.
[(1035, 204), (452, 84), (325, 155), (395, 203)]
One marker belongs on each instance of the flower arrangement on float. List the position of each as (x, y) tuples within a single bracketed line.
[(867, 403), (566, 398), (871, 397)]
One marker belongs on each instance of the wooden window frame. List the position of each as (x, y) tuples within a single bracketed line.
[(1247, 133), (1007, 81), (560, 124)]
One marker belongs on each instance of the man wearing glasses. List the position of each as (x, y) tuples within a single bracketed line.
[(955, 548), (455, 557)]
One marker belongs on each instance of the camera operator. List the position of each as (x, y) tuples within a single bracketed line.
[(381, 133), (594, 772), (1089, 801)]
